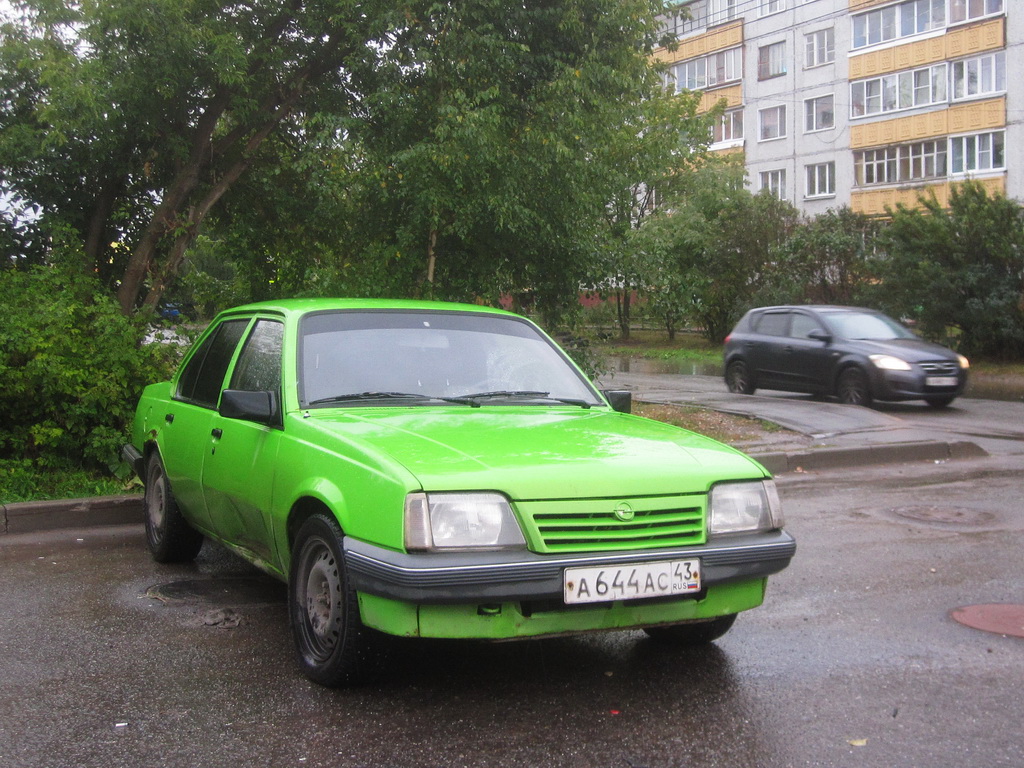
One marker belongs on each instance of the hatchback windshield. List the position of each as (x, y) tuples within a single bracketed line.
[(353, 358), (867, 326)]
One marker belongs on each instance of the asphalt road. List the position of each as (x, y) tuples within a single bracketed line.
[(852, 661)]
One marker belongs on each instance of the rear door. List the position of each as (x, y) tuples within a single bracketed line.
[(767, 349)]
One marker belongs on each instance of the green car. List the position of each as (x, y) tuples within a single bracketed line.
[(444, 470)]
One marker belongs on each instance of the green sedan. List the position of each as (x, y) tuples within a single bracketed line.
[(444, 470)]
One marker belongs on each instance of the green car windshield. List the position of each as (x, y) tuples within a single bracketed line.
[(352, 358)]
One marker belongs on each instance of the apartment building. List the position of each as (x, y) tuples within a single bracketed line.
[(864, 103)]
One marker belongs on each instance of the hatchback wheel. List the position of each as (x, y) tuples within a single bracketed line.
[(170, 538), (738, 378), (323, 609), (853, 387)]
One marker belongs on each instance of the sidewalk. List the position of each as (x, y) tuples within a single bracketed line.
[(822, 436)]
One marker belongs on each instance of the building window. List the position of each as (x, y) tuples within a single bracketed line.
[(709, 71), (965, 10), (772, 6), (771, 61), (700, 14), (821, 180), (773, 122), (774, 182), (820, 113), (900, 90), (908, 162), (820, 48), (981, 152), (729, 127), (912, 17), (978, 76)]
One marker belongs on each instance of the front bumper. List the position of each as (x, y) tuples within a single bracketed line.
[(911, 385), (498, 577)]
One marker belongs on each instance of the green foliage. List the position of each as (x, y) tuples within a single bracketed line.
[(959, 272), (72, 367)]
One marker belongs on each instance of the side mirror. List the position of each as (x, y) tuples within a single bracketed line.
[(260, 407), (819, 335), (620, 400)]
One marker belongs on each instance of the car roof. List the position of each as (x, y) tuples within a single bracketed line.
[(816, 308), (305, 306)]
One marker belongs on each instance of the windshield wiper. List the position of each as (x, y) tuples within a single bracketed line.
[(370, 396), (522, 394)]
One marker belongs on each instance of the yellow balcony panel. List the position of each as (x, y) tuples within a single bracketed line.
[(962, 118), (732, 94), (876, 202), (962, 41), (717, 39), (860, 5)]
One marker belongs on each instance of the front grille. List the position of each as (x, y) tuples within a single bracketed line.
[(593, 527), (941, 368)]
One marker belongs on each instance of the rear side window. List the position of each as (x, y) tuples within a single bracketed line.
[(773, 324), (201, 380)]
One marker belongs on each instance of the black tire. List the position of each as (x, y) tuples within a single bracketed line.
[(738, 378), (940, 402), (170, 538), (694, 632), (333, 646), (853, 387)]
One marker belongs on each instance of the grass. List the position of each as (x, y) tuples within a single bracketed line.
[(20, 481), (724, 427)]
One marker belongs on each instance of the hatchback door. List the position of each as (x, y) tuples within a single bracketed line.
[(807, 362)]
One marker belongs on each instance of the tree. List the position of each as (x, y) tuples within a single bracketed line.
[(128, 121), (959, 271)]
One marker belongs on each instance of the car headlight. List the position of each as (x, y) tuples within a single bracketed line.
[(437, 521), (743, 507), (890, 363), (964, 362)]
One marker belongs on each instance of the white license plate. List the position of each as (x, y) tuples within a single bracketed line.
[(940, 381), (631, 582)]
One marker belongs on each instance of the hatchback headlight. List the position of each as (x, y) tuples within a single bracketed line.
[(964, 362), (744, 507), (437, 521), (890, 363)]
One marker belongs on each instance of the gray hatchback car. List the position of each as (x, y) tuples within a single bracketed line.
[(858, 355)]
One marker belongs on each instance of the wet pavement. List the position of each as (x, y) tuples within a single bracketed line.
[(859, 656)]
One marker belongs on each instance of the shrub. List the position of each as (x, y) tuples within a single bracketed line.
[(72, 368)]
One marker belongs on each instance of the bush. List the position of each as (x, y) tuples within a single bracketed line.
[(72, 368)]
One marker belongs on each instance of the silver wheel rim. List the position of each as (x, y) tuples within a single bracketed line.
[(322, 597), (156, 502)]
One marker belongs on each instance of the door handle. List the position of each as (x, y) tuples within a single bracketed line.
[(169, 418), (217, 433)]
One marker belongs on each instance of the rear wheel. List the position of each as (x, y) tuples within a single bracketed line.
[(170, 538), (738, 378), (694, 632), (853, 387), (323, 608)]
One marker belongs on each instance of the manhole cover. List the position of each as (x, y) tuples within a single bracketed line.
[(998, 618), (946, 515), (217, 591)]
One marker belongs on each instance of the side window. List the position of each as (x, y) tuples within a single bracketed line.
[(773, 324), (259, 365), (203, 375), (803, 325)]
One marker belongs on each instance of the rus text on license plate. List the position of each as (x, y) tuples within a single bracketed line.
[(630, 582)]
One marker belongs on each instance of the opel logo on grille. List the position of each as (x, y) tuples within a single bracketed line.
[(623, 512)]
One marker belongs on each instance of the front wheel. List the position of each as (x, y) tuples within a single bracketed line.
[(170, 538), (323, 608), (738, 378), (693, 633), (853, 387)]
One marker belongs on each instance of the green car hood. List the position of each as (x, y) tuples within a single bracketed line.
[(533, 453)]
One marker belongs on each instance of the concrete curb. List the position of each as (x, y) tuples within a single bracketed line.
[(886, 453), (34, 516)]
